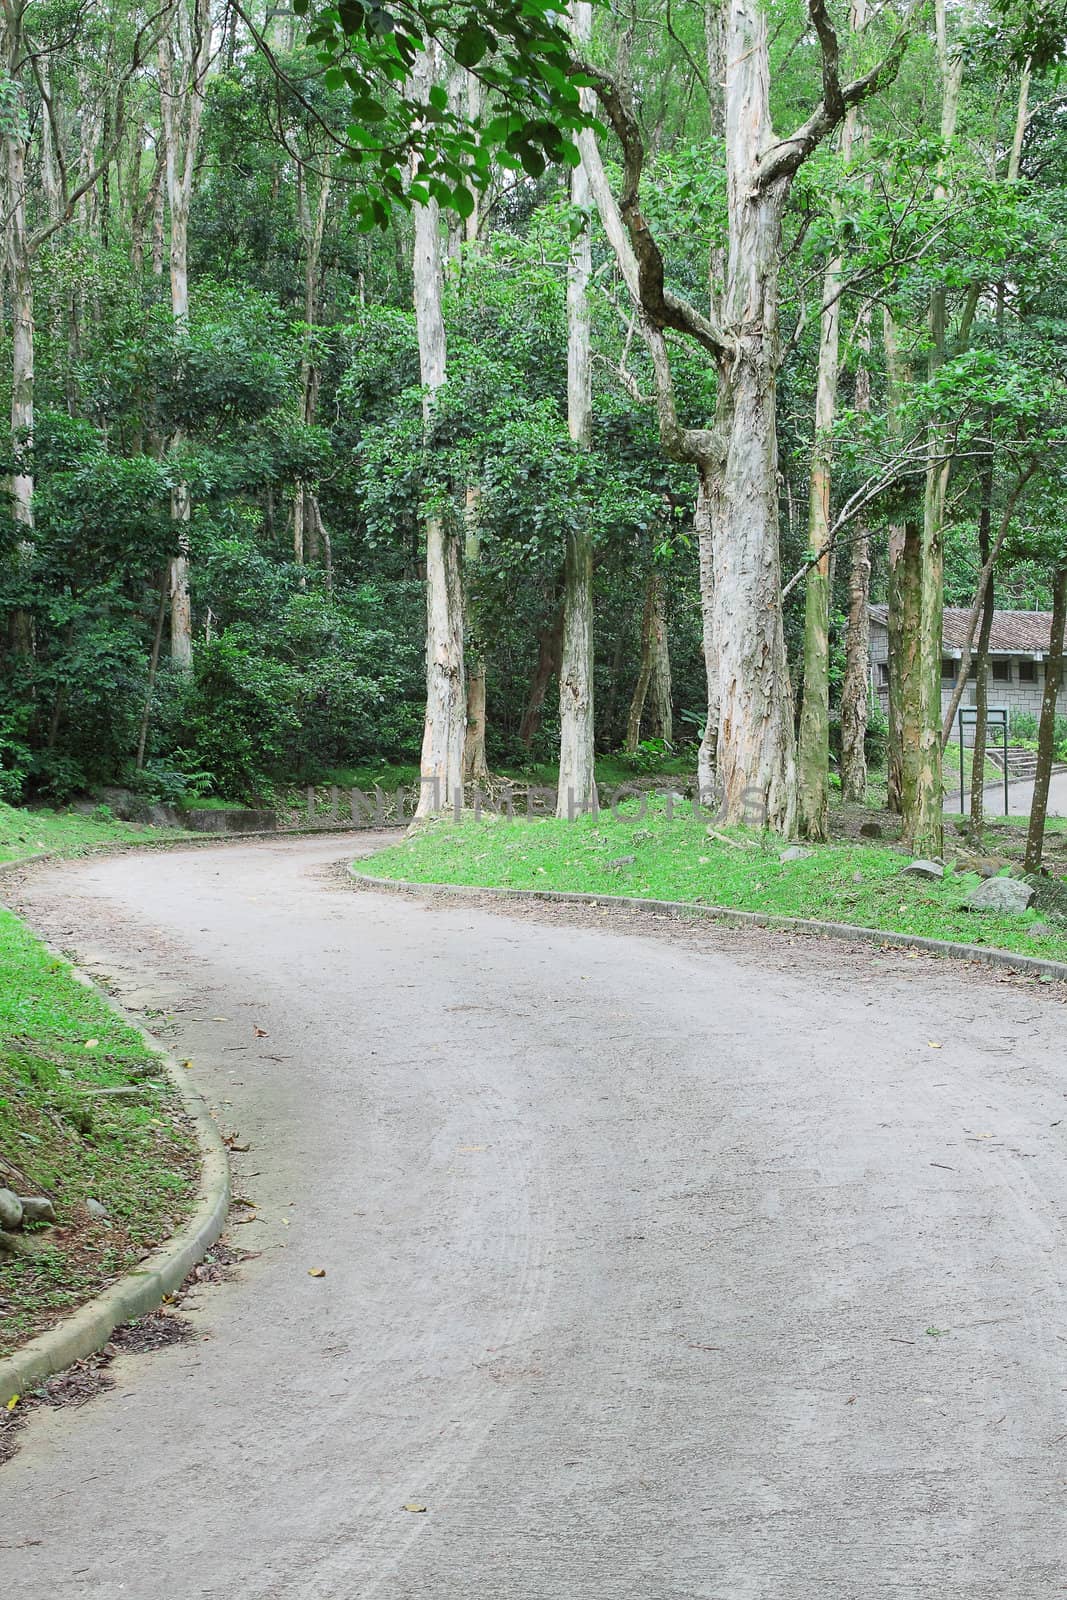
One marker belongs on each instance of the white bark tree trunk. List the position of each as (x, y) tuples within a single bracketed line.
[(577, 779), (184, 58), (444, 732)]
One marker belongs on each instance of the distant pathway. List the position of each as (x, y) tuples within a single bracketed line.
[(659, 1266), (1020, 796)]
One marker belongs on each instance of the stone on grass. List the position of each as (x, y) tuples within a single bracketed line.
[(871, 830), (1001, 894), (857, 877), (1038, 930), (35, 1208), (96, 1210), (10, 1210), (796, 852), (622, 861), (924, 869)]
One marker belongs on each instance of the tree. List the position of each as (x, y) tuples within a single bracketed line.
[(577, 783), (736, 456), (446, 687)]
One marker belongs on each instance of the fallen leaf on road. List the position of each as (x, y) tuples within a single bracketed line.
[(241, 1221), (933, 1044), (187, 1064), (413, 1505), (316, 1272), (13, 1402), (260, 1033)]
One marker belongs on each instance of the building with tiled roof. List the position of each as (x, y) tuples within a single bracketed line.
[(1018, 648)]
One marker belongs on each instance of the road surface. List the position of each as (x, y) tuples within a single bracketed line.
[(1020, 796), (660, 1265)]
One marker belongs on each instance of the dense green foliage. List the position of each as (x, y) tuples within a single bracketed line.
[(295, 380)]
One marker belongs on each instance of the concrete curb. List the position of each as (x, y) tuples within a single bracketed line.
[(852, 933), (90, 1327)]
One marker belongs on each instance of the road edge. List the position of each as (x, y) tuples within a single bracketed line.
[(89, 1328), (850, 933)]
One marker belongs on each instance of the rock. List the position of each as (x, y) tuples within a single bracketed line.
[(36, 1208), (871, 830), (622, 861), (96, 1210), (10, 1210), (924, 869), (857, 877), (1001, 894), (1038, 930), (796, 852)]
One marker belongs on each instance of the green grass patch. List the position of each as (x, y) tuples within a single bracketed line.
[(659, 857), (25, 833), (64, 1132)]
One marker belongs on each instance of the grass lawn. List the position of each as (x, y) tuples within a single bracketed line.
[(66, 1133), (666, 858), (25, 833)]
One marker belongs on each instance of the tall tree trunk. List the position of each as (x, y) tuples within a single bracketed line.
[(981, 665), (855, 687), (184, 57), (706, 558), (900, 625), (654, 672), (549, 651), (20, 288), (1046, 734), (445, 727), (813, 754), (475, 764), (756, 750), (577, 782), (660, 690), (924, 800), (312, 231)]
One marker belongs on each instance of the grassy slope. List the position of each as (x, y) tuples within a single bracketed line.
[(135, 1154), (26, 833), (675, 859)]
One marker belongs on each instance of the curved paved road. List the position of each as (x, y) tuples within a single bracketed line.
[(664, 1266)]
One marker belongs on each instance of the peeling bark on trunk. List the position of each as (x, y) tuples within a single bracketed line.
[(445, 727), (1046, 735), (577, 781)]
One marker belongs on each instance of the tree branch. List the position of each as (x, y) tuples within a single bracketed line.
[(644, 264), (784, 158)]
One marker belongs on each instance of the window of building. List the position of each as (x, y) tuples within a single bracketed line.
[(1027, 671), (948, 669), (883, 675), (1001, 671)]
